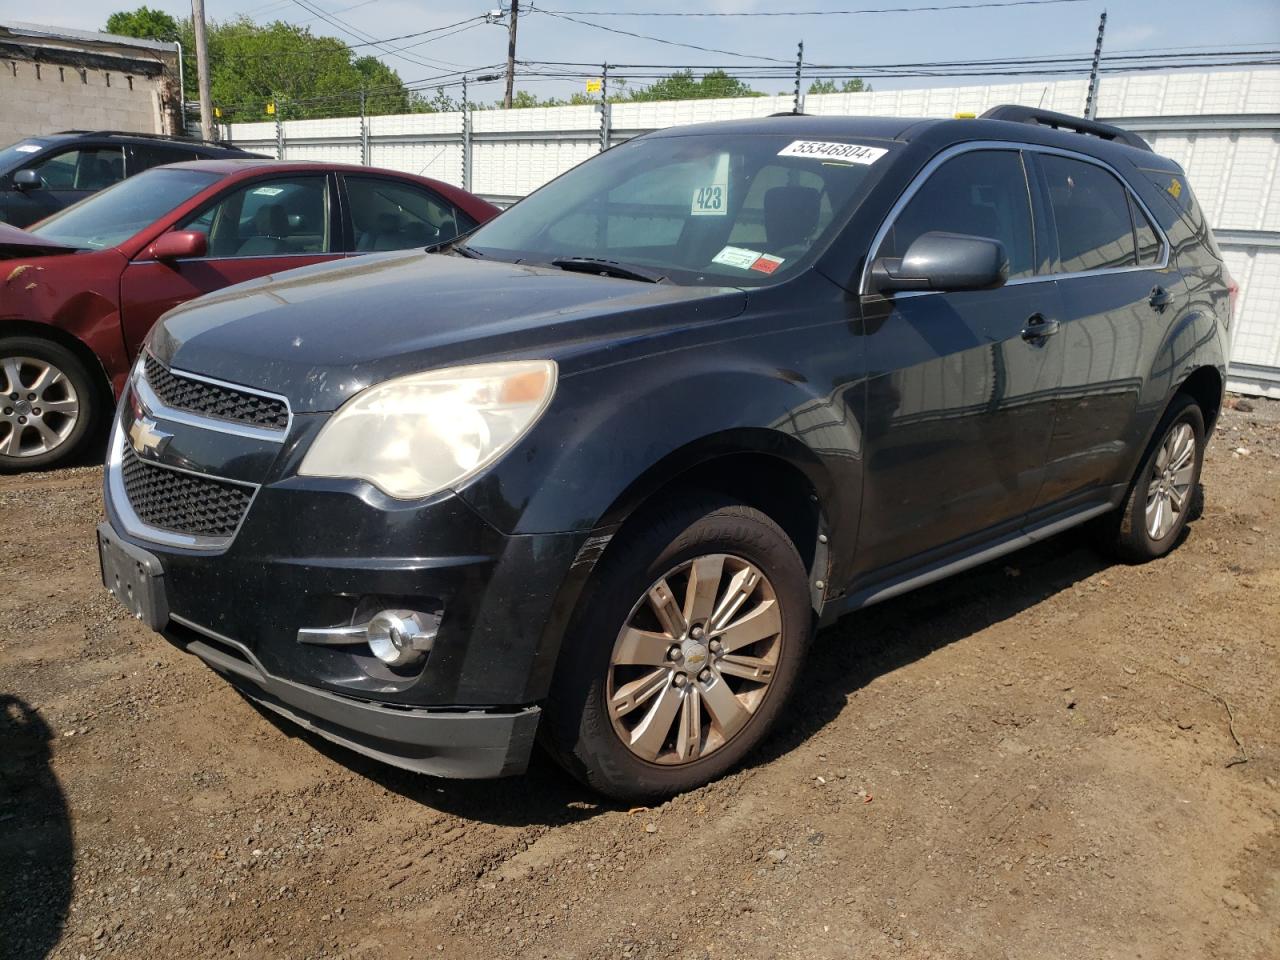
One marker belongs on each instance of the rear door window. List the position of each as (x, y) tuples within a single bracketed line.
[(392, 215), (981, 193), (1091, 215), (144, 156)]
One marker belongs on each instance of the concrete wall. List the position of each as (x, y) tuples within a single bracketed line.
[(1223, 127), (43, 98)]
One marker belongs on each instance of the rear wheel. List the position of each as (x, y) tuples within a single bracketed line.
[(46, 404), (1165, 492), (687, 648)]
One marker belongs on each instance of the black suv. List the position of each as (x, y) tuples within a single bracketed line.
[(598, 471), (41, 175)]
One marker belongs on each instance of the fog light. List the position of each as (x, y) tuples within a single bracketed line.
[(396, 637), (399, 637)]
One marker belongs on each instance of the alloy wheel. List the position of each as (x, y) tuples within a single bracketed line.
[(694, 661), (38, 407), (1169, 491)]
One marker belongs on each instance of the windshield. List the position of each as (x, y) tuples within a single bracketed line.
[(120, 211), (16, 154), (705, 209)]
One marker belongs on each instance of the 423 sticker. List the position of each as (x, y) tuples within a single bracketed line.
[(709, 201)]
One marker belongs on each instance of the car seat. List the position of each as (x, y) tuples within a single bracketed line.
[(272, 226), (790, 219)]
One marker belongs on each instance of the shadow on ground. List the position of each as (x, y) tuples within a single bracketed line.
[(36, 846)]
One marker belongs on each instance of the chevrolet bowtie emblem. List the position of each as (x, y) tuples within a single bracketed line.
[(146, 439)]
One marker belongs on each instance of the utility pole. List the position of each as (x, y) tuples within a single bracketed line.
[(799, 72), (511, 52), (202, 69), (1091, 100), (604, 107), (466, 137)]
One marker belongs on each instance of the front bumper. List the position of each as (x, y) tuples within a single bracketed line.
[(445, 743)]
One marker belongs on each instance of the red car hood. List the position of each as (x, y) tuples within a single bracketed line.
[(19, 243)]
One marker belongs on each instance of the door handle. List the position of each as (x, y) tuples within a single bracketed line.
[(1038, 328), (1159, 298)]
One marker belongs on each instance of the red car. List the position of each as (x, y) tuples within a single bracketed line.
[(80, 290)]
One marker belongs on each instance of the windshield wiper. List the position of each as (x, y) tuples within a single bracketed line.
[(608, 268), (456, 244)]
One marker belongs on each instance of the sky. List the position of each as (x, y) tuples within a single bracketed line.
[(1030, 31)]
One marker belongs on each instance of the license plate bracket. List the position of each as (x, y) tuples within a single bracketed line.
[(134, 577)]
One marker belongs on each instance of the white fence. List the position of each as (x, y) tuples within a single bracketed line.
[(1224, 128)]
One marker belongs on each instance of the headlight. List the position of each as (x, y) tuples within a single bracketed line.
[(416, 435)]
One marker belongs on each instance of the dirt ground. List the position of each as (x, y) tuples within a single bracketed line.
[(1033, 760)]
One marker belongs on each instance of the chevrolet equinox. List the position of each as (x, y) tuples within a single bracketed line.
[(594, 473)]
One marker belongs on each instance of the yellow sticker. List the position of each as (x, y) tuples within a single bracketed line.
[(1175, 188), (593, 86)]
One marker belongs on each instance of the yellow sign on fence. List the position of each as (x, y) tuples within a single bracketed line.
[(594, 86)]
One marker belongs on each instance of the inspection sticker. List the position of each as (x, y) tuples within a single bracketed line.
[(739, 257), (767, 263), (822, 150)]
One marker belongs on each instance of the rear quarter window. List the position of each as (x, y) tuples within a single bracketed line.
[(1176, 191)]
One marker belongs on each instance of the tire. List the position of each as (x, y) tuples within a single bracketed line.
[(1134, 534), (732, 696), (33, 434)]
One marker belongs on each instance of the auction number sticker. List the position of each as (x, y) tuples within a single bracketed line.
[(711, 196), (709, 201), (842, 152)]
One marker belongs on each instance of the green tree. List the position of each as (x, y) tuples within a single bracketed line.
[(681, 85), (251, 64), (145, 24), (855, 85)]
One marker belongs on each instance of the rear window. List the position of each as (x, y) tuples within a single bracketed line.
[(1091, 213), (1177, 191)]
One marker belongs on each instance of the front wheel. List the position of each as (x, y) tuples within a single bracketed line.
[(46, 404), (687, 647)]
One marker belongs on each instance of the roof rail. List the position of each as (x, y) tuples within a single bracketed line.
[(145, 136), (789, 113), (1062, 121)]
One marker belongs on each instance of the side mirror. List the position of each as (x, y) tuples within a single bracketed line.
[(25, 180), (180, 245), (943, 261)]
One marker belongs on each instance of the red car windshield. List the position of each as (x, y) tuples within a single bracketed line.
[(120, 211)]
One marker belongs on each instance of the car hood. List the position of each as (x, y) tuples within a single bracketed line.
[(19, 243), (321, 334)]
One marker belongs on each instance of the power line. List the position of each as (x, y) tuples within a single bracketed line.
[(671, 43), (809, 13), (366, 38), (420, 33)]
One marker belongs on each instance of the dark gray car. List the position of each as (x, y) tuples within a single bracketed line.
[(41, 175), (597, 472)]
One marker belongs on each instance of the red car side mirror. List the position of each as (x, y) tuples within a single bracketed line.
[(180, 245)]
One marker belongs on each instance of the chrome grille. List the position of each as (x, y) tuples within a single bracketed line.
[(182, 502), (214, 400)]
